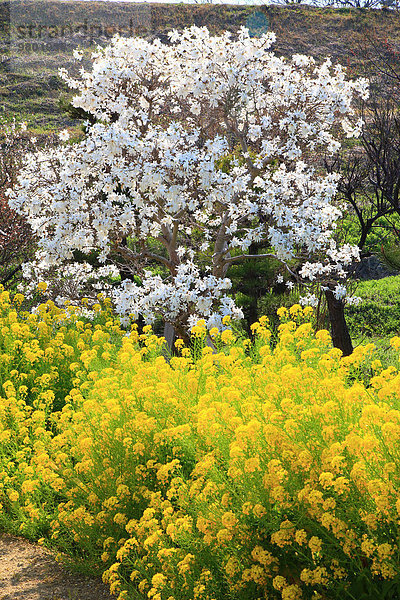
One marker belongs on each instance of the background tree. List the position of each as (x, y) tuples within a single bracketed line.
[(17, 243), (149, 174), (370, 182), (370, 173)]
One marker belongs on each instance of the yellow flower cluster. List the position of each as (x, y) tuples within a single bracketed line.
[(244, 470), (43, 365)]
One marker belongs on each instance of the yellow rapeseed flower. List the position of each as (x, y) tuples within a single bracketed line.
[(42, 287)]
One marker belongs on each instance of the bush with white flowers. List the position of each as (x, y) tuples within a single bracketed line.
[(147, 181)]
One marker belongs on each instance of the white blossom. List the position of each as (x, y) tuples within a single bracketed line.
[(340, 291), (64, 135), (353, 300), (309, 300)]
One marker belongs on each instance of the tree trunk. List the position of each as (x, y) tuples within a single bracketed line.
[(170, 335), (340, 333), (251, 314), (363, 238)]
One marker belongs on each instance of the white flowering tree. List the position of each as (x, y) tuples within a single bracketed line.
[(150, 184)]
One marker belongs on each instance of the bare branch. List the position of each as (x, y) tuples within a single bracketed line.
[(144, 254)]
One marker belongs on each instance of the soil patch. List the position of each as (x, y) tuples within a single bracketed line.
[(30, 572)]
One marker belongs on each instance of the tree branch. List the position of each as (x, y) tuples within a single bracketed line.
[(133, 256)]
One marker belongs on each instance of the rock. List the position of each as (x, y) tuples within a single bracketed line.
[(371, 267)]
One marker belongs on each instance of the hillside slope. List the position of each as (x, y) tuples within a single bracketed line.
[(38, 36)]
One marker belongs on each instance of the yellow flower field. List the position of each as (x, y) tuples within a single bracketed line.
[(265, 469)]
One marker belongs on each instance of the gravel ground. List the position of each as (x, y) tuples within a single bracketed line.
[(30, 572)]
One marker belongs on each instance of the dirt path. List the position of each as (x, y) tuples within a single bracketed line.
[(30, 572)]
